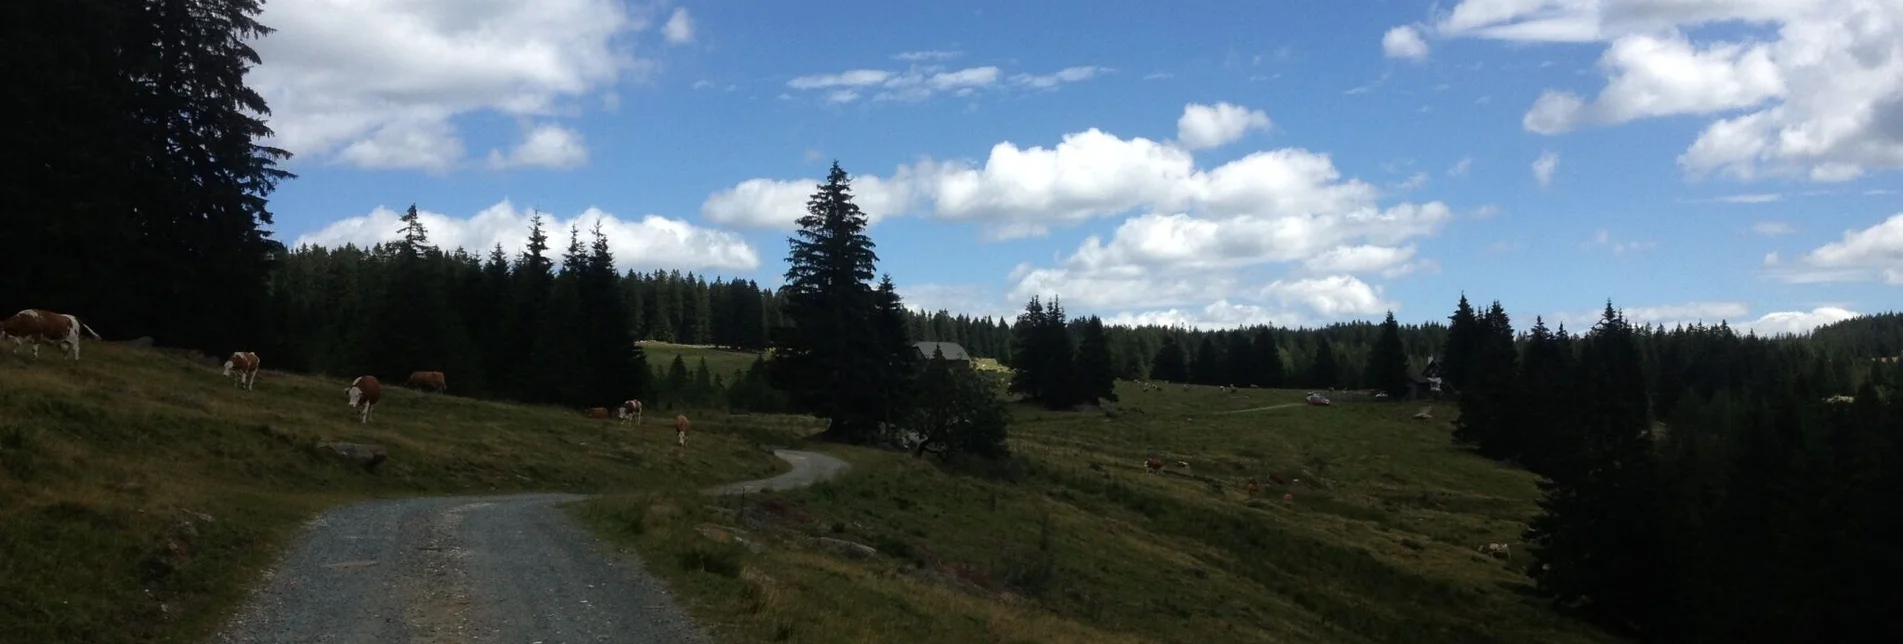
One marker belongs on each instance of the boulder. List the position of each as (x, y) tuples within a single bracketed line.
[(369, 456)]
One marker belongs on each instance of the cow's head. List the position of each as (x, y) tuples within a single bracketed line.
[(228, 365), (355, 393)]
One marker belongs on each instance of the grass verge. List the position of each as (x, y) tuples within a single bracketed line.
[(1072, 541), (141, 494)]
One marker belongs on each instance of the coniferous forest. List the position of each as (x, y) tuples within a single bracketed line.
[(1700, 485)]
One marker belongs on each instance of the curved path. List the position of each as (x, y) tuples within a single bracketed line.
[(485, 569), (1244, 411)]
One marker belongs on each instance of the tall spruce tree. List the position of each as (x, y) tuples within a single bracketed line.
[(618, 365), (1209, 367), (1268, 357), (1323, 371), (1387, 362), (828, 355), (1546, 398), (1042, 360), (899, 362), (1596, 536), (1464, 338), (1170, 364), (1096, 377), (1490, 401)]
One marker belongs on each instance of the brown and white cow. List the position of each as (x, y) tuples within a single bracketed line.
[(427, 381), (629, 411), (243, 364), (596, 412), (680, 429), (41, 325), (1152, 466), (364, 392)]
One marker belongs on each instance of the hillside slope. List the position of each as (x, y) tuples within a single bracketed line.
[(141, 493)]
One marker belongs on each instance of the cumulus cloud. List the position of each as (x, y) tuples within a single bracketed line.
[(652, 242), (547, 145), (1294, 304), (1197, 235), (1404, 42), (376, 84), (679, 29), (1867, 255), (1544, 167), (1208, 126), (1814, 88), (1735, 314)]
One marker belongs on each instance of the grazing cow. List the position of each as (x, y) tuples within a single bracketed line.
[(680, 429), (364, 393), (630, 411), (427, 381), (1496, 550), (1253, 487), (1152, 465), (596, 412), (1184, 465), (41, 325), (243, 364)]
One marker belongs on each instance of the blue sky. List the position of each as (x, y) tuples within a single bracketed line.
[(1213, 164)]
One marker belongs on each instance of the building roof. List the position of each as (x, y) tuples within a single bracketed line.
[(951, 350)]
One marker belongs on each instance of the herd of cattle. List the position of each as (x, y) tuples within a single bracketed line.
[(40, 326)]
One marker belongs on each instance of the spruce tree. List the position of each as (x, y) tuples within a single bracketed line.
[(1170, 364), (1597, 532), (1387, 361), (897, 360), (1464, 339), (1268, 357), (618, 366), (1096, 378), (1323, 371), (827, 357)]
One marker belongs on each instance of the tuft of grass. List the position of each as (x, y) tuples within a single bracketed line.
[(1071, 541), (141, 494)]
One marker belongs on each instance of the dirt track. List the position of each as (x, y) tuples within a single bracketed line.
[(509, 568)]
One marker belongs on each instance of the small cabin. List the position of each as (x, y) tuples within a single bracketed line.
[(953, 353)]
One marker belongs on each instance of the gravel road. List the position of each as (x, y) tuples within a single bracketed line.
[(808, 468), (470, 569)]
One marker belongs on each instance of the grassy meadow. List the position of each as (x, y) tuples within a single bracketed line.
[(1074, 542), (729, 364), (141, 493)]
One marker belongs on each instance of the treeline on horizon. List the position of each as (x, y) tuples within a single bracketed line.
[(1698, 485)]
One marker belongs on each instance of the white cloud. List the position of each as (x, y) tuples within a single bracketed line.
[(375, 84), (1603, 239), (1798, 322), (920, 82), (1772, 228), (926, 55), (679, 29), (1208, 126), (1870, 254), (1544, 166), (1404, 42), (1201, 236), (1461, 167), (1813, 88), (1735, 314), (1221, 314), (1755, 198), (650, 243), (1066, 75), (547, 145)]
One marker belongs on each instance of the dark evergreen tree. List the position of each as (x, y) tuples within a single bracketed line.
[(1268, 358), (1209, 367), (1170, 364), (618, 367), (1096, 378), (1387, 363), (1596, 535), (829, 355), (1323, 372), (1464, 339)]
